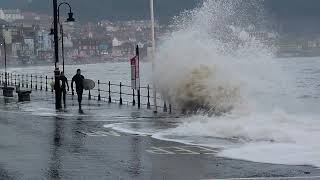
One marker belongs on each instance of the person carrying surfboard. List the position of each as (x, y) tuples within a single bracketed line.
[(64, 83), (78, 79)]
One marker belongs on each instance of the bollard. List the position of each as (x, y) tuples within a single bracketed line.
[(109, 85), (170, 108), (51, 85), (120, 93), (15, 79), (36, 86), (41, 83), (148, 104), (31, 82), (99, 96), (46, 83), (165, 109), (133, 100)]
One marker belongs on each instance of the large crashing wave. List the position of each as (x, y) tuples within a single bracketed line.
[(205, 64), (212, 61)]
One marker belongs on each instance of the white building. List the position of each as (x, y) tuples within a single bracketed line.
[(11, 15), (116, 42), (44, 41), (28, 47), (16, 48)]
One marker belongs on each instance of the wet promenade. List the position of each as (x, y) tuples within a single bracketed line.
[(36, 142)]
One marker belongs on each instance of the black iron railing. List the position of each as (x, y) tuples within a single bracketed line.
[(104, 91)]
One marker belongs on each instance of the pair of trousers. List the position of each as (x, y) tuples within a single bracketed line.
[(79, 98)]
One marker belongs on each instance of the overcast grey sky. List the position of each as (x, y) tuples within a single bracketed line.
[(124, 9), (292, 13)]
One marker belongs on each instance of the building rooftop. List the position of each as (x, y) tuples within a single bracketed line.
[(3, 22), (11, 11)]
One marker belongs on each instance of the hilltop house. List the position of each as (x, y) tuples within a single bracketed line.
[(11, 15)]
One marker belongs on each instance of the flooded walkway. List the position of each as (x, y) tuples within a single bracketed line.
[(36, 142)]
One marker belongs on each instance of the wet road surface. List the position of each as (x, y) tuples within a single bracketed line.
[(37, 142)]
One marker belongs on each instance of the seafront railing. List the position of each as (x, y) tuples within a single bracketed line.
[(108, 92)]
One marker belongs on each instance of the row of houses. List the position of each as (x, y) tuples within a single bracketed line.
[(37, 43), (27, 35)]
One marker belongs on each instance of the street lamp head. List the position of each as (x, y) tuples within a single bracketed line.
[(70, 18)]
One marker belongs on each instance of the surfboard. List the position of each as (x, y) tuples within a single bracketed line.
[(52, 84), (88, 84)]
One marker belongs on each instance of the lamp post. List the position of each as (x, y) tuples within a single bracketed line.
[(7, 91), (70, 19), (56, 19), (5, 62), (153, 54)]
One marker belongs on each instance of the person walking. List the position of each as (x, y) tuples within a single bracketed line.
[(64, 84), (78, 79), (57, 88)]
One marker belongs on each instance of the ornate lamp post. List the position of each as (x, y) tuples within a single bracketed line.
[(3, 43), (70, 19), (56, 20), (7, 91)]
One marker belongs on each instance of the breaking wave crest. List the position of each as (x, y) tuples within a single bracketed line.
[(214, 60), (206, 62)]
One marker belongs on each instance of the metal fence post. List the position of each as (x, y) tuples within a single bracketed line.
[(120, 93), (51, 85), (22, 80), (133, 98), (36, 82), (165, 109), (11, 80), (46, 83), (139, 98), (109, 85), (31, 86), (99, 96), (148, 104), (41, 83), (8, 78), (15, 79), (19, 80), (27, 81), (170, 108), (89, 98)]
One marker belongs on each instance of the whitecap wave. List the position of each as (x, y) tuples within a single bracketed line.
[(216, 59)]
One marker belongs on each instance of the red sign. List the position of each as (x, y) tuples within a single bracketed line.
[(135, 77)]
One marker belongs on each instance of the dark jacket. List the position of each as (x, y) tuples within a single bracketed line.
[(78, 79)]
